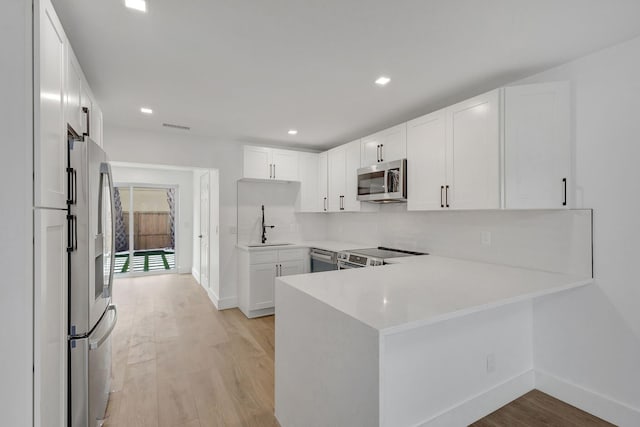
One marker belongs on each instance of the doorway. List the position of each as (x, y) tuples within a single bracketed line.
[(145, 228)]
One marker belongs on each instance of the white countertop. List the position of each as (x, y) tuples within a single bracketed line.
[(328, 245), (417, 291)]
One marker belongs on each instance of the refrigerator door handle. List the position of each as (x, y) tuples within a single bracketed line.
[(94, 344), (105, 168)]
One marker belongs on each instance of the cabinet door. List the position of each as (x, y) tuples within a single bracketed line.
[(73, 94), (370, 149), (337, 176), (257, 163), (323, 184), (289, 268), (51, 140), (537, 146), (285, 165), (262, 284), (50, 317), (394, 143), (96, 124), (426, 161), (352, 163), (308, 174), (473, 153), (86, 101)]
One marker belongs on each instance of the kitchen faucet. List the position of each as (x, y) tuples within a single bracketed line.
[(264, 228)]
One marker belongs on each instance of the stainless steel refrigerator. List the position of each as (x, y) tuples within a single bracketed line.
[(92, 316)]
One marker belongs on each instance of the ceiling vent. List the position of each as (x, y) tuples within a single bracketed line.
[(170, 125)]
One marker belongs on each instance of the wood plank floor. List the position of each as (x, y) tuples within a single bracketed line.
[(178, 362), (536, 409)]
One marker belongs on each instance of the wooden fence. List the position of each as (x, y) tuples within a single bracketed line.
[(152, 230)]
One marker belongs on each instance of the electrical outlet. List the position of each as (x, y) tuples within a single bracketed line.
[(485, 238), (491, 363)]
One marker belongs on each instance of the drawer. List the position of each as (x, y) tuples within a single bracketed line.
[(263, 257), (297, 254)]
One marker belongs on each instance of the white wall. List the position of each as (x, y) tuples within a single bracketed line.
[(183, 179), (16, 227), (591, 338), (184, 149), (279, 200)]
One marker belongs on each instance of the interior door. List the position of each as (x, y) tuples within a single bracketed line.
[(426, 161), (204, 230)]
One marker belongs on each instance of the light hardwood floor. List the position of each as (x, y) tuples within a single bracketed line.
[(178, 362)]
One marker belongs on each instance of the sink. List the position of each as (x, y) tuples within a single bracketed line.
[(261, 245)]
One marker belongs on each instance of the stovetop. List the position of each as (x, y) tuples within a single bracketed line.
[(384, 253)]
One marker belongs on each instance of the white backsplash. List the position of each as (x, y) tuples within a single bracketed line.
[(279, 201), (558, 241)]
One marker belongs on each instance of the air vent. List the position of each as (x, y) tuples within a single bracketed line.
[(170, 125)]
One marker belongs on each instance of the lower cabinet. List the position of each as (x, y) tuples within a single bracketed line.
[(257, 273)]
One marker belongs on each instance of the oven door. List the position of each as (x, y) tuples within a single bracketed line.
[(322, 260), (346, 265)]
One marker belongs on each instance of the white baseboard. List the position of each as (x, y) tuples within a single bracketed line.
[(183, 270), (222, 303), (594, 403), (196, 275), (484, 403)]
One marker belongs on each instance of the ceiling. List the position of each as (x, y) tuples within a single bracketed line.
[(250, 70)]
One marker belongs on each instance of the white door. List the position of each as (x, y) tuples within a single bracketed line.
[(50, 321), (285, 165), (337, 176), (257, 163), (323, 184), (426, 162), (51, 144), (289, 268), (262, 284), (537, 146), (394, 143), (352, 163), (473, 153), (204, 230)]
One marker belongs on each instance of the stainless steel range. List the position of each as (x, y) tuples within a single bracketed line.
[(370, 257)]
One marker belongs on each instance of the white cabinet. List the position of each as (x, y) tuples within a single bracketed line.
[(384, 146), (51, 136), (538, 146), (426, 161), (73, 94), (454, 156), (50, 317), (257, 273), (473, 153), (309, 199), (343, 164), (270, 163), (323, 182)]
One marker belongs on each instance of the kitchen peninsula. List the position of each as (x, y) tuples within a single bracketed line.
[(427, 341)]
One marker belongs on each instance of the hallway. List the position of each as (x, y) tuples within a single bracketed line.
[(178, 362)]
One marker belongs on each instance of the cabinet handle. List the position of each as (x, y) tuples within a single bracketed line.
[(564, 182), (276, 270), (378, 153), (381, 152), (72, 233), (72, 183), (441, 191), (446, 196), (324, 204), (341, 203), (270, 171), (274, 171), (85, 110)]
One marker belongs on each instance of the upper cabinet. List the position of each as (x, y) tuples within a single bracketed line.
[(60, 92), (323, 181), (270, 163), (49, 90), (454, 156), (343, 164), (309, 196), (538, 146), (384, 146)]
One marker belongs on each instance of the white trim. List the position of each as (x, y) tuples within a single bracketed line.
[(196, 274), (588, 400), (222, 303), (484, 403)]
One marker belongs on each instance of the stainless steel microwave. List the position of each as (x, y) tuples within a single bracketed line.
[(383, 182)]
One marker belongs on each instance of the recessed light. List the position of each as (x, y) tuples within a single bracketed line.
[(140, 5), (292, 132), (382, 80), (146, 110)]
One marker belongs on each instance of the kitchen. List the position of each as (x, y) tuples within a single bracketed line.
[(588, 353)]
